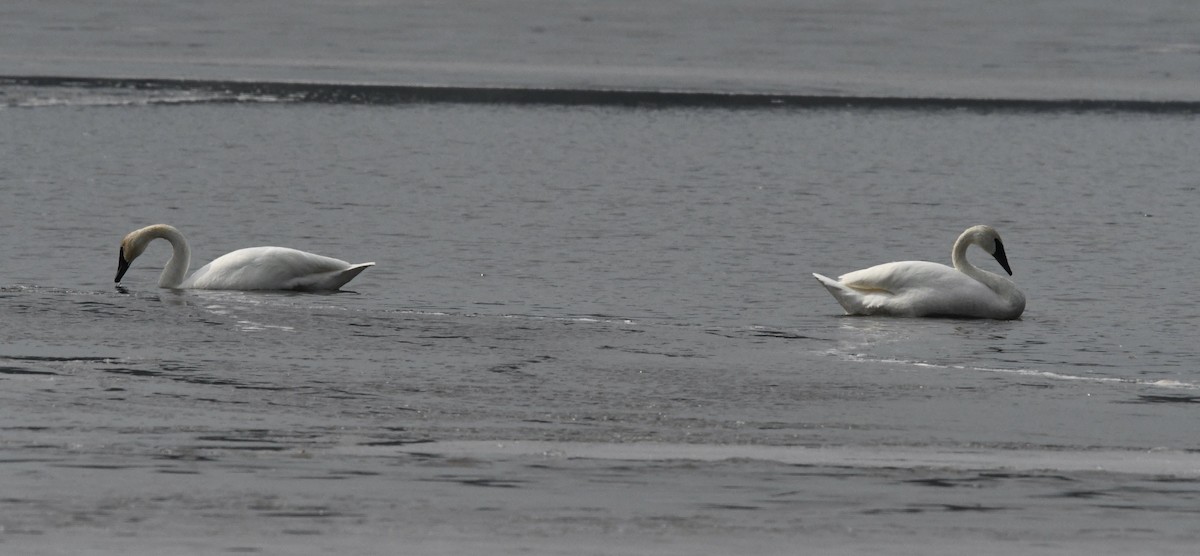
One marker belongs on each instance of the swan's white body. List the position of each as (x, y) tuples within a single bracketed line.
[(924, 289), (253, 268)]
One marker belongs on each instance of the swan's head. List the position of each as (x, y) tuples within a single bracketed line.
[(987, 238), (134, 244), (131, 247)]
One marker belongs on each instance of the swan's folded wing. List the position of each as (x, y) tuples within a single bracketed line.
[(897, 276), (273, 268)]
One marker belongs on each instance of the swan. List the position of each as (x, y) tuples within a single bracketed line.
[(252, 268), (925, 289)]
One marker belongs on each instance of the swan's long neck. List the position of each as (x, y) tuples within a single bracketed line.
[(958, 255), (181, 256)]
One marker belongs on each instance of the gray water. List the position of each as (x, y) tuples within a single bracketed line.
[(956, 48), (590, 330)]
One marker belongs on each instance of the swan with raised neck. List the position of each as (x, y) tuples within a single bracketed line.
[(921, 289)]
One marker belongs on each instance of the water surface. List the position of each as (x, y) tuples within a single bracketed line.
[(593, 327), (941, 48)]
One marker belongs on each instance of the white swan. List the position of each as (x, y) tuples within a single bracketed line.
[(253, 268), (923, 289)]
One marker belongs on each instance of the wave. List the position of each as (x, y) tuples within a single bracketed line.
[(87, 94), (1160, 462), (162, 91), (123, 99), (1038, 373)]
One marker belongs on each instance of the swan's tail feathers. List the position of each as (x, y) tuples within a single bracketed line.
[(349, 274), (850, 299), (332, 280)]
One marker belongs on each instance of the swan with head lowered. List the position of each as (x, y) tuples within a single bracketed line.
[(924, 289), (253, 268)]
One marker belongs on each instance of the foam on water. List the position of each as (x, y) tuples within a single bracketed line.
[(88, 96), (1052, 375)]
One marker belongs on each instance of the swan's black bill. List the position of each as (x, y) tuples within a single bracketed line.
[(122, 266), (1000, 257)]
